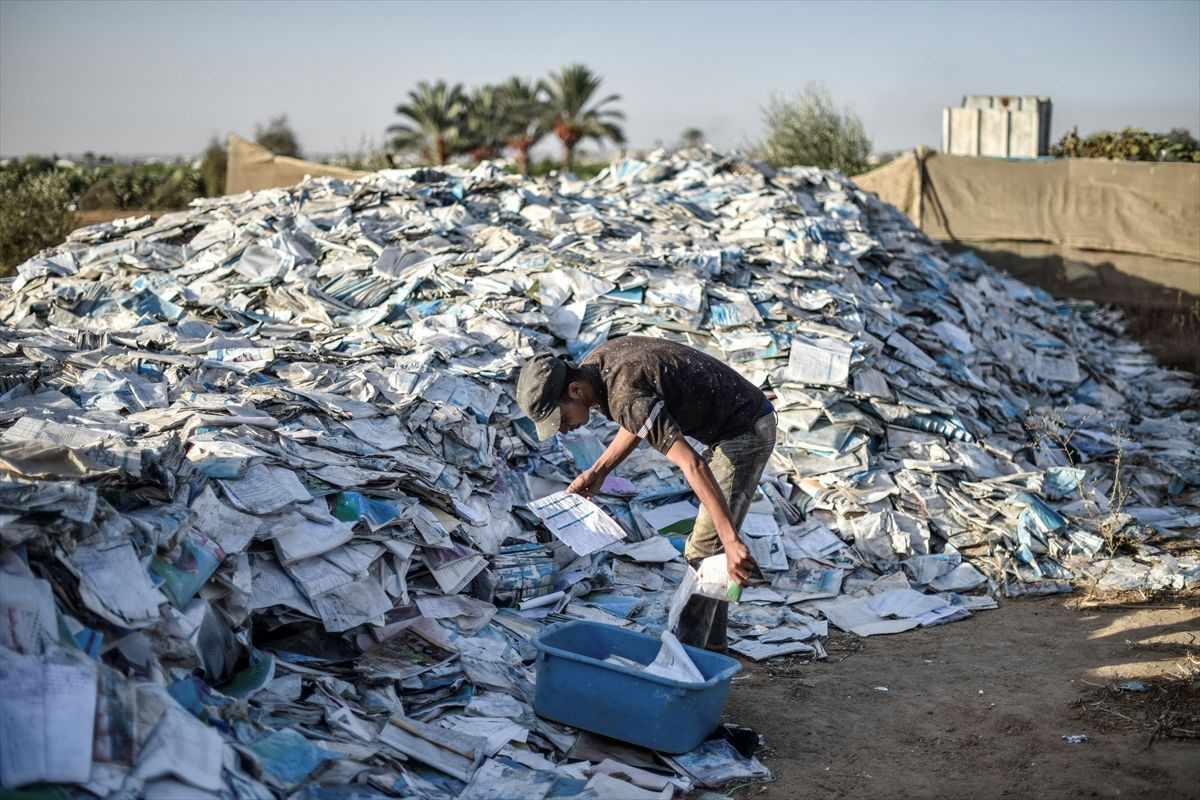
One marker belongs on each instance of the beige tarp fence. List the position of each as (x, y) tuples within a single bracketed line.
[(253, 167), (1133, 218)]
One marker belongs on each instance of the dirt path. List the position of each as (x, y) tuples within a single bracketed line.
[(975, 709)]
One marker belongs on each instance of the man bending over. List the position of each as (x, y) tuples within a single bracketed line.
[(661, 391)]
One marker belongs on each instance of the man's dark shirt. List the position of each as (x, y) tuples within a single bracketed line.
[(662, 390)]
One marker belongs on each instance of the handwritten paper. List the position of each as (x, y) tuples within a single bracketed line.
[(47, 713)]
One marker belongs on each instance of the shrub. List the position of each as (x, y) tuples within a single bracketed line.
[(1130, 144), (142, 187), (35, 213), (810, 131), (369, 157), (213, 169)]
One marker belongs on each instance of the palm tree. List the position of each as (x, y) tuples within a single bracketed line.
[(483, 129), (436, 115), (526, 118), (568, 95)]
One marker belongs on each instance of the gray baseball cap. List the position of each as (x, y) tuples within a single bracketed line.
[(539, 387)]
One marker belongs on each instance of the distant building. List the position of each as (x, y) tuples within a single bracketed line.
[(1001, 126)]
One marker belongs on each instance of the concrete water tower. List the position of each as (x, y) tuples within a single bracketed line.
[(1002, 126)]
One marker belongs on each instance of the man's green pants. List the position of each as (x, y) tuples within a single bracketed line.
[(737, 464)]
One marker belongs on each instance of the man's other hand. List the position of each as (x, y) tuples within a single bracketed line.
[(588, 483), (739, 562)]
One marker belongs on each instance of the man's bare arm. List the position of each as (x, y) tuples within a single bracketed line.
[(701, 479)]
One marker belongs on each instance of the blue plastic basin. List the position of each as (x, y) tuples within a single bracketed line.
[(575, 687)]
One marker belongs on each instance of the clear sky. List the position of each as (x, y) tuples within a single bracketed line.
[(163, 77)]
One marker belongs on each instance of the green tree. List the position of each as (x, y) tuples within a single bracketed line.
[(278, 137), (569, 95), (526, 118), (692, 137), (435, 114), (484, 125), (37, 212), (213, 168), (810, 130)]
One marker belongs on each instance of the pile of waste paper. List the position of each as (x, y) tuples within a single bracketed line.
[(265, 489)]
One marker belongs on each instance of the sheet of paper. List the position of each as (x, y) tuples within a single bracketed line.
[(820, 543), (352, 604), (317, 575), (496, 731), (28, 623), (1059, 367), (470, 614), (759, 650), (673, 662), (609, 787), (819, 361), (47, 715), (114, 585), (856, 616), (496, 780), (905, 603), (453, 577), (264, 489), (452, 752), (287, 756), (185, 569), (402, 656), (302, 538), (184, 747), (577, 521), (273, 587), (760, 525), (386, 433), (677, 517), (221, 459), (29, 429), (640, 777), (793, 633), (809, 584), (655, 550), (225, 525), (767, 552)]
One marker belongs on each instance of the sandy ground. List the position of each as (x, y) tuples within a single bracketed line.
[(975, 709)]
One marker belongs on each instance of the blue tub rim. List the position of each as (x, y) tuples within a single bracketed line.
[(725, 674)]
